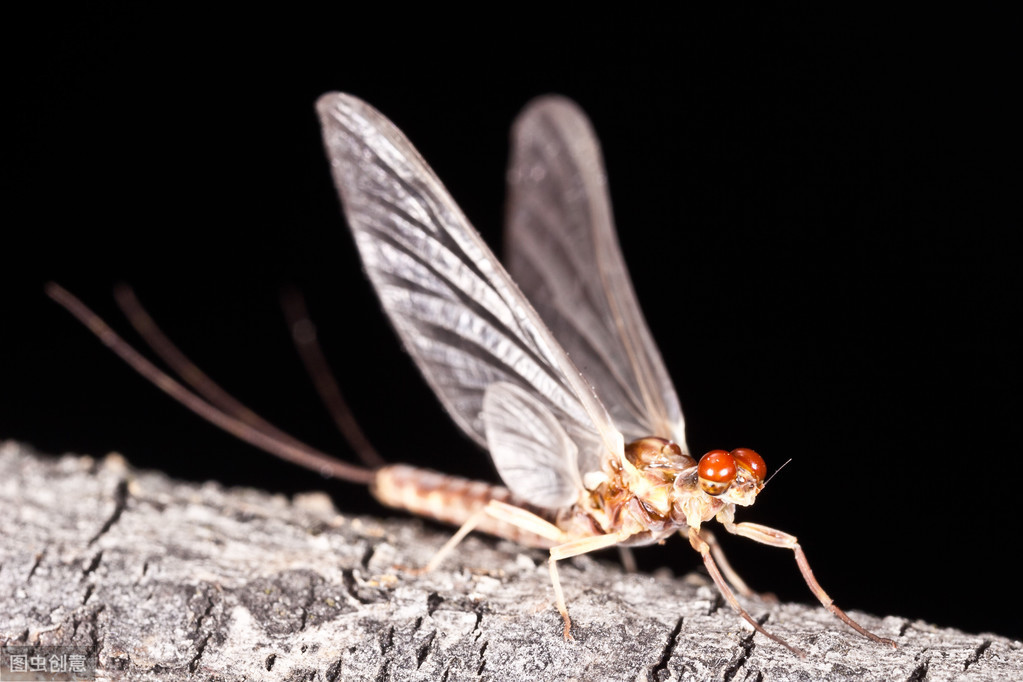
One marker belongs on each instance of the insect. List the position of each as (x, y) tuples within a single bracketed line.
[(554, 372)]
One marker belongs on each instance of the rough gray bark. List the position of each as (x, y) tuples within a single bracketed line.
[(168, 580)]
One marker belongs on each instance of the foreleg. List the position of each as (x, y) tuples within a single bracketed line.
[(737, 583), (777, 538), (701, 546)]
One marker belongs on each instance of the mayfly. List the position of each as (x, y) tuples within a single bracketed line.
[(591, 459)]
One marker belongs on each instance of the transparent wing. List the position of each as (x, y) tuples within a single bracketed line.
[(562, 250), (533, 454), (455, 308)]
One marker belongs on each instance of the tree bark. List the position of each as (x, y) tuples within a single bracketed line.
[(164, 580)]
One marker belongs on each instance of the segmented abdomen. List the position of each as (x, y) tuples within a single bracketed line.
[(452, 500)]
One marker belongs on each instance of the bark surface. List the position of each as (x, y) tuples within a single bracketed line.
[(164, 580)]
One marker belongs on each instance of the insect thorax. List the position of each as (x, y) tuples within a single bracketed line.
[(653, 492)]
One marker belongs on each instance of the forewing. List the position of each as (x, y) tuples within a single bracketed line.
[(562, 250), (455, 308)]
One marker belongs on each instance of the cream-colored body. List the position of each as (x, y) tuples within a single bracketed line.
[(641, 504), (650, 495), (647, 497)]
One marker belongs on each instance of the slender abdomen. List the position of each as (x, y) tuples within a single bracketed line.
[(451, 499)]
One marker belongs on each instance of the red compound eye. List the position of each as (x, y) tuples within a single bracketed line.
[(716, 471), (750, 461)]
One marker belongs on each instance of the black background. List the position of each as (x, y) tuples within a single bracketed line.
[(815, 209)]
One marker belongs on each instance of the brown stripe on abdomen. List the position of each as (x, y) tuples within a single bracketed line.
[(451, 499)]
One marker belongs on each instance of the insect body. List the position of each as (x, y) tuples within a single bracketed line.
[(589, 461)]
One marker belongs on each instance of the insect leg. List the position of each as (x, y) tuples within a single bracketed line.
[(570, 549), (628, 559), (527, 521), (502, 511), (701, 546), (737, 583), (777, 538), (452, 542)]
